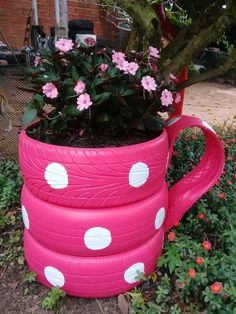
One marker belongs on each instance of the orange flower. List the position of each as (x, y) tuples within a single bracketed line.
[(229, 158), (201, 216), (222, 195), (171, 236), (229, 182), (207, 245), (180, 284), (199, 260), (216, 287), (192, 273)]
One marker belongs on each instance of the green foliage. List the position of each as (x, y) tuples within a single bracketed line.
[(213, 219), (119, 102), (51, 300), (11, 247), (30, 277), (10, 185)]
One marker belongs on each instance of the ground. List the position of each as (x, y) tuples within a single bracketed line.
[(213, 102), (17, 297)]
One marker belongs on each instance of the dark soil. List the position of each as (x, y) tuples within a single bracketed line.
[(19, 298), (98, 140)]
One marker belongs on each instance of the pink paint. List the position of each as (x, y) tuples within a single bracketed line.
[(94, 217)]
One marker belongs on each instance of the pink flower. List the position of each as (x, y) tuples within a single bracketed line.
[(118, 57), (50, 90), (148, 83), (65, 61), (166, 98), (132, 68), (173, 77), (38, 60), (154, 52), (64, 45), (103, 67), (123, 66), (89, 41), (83, 102), (80, 87), (177, 98)]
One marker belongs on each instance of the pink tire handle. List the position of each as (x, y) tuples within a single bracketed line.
[(198, 181)]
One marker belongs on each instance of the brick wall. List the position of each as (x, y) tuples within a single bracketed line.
[(13, 15)]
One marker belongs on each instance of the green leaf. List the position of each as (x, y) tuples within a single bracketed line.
[(45, 53), (39, 99), (71, 93), (71, 111), (99, 81), (68, 83), (87, 66), (128, 92), (100, 98), (153, 123), (75, 73), (29, 116), (112, 72), (103, 117)]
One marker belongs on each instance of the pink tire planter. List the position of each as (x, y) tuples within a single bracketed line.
[(95, 218)]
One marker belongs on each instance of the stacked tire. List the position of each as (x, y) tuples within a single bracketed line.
[(93, 217), (80, 27)]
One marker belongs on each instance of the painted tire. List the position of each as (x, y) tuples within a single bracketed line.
[(82, 232), (91, 177), (88, 276)]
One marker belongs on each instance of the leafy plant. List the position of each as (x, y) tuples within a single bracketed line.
[(30, 277), (10, 184), (51, 300), (92, 92)]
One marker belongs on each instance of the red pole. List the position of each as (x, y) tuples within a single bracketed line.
[(169, 31)]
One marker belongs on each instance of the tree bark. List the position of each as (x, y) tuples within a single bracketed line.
[(231, 60)]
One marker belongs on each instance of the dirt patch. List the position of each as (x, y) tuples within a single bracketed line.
[(19, 298), (213, 102)]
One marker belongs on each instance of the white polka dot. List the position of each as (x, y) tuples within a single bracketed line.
[(56, 176), (133, 271), (54, 276), (97, 238), (208, 126), (172, 121), (138, 174), (160, 216), (25, 217)]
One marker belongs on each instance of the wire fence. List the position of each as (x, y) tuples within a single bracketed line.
[(211, 101)]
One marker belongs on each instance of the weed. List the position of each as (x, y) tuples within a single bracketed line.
[(51, 300)]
